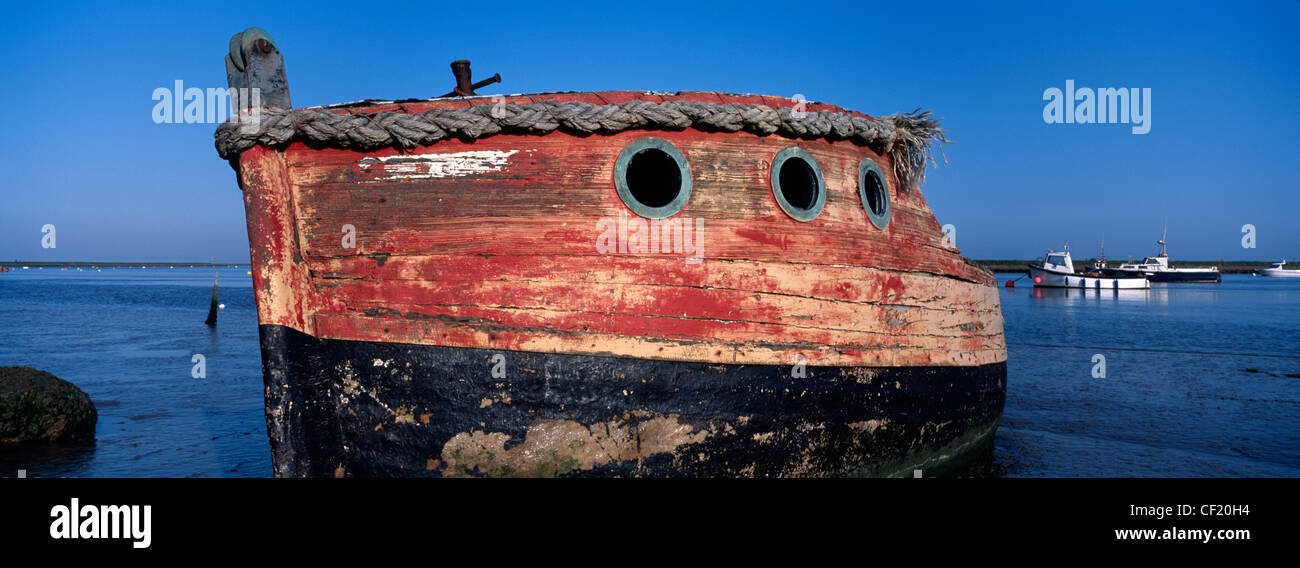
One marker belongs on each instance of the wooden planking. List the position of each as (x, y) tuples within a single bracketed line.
[(723, 164), (879, 302), (843, 309), (560, 186), (715, 331), (721, 241), (887, 353), (279, 274), (840, 283), (427, 297)]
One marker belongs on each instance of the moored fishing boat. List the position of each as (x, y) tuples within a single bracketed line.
[(1056, 270), (611, 283)]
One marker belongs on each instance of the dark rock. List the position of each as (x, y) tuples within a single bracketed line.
[(38, 406)]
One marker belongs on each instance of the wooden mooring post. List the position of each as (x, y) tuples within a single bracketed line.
[(212, 309)]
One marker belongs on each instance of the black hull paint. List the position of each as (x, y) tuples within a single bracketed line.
[(350, 408), (1188, 277), (1206, 277)]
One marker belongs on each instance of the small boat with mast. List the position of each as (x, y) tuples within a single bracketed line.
[(1057, 271), (1157, 269)]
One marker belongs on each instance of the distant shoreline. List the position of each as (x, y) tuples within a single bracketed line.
[(998, 266), (21, 263), (1225, 266)]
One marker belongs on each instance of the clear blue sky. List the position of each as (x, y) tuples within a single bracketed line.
[(81, 152)]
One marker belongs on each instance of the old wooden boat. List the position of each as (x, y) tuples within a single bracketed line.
[(610, 284)]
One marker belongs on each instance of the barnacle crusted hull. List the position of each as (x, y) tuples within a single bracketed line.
[(453, 296), (387, 409)]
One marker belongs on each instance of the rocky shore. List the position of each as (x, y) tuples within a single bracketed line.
[(37, 406)]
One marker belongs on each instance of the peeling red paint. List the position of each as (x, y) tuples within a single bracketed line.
[(502, 252), (782, 242), (892, 286)]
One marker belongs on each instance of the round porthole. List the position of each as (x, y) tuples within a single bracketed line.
[(797, 184), (874, 193), (652, 178)]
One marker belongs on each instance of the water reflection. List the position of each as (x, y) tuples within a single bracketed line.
[(1200, 380), (1073, 296), (47, 459)]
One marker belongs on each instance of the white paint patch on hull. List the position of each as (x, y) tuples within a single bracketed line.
[(432, 166)]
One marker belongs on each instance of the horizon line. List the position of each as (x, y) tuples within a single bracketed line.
[(113, 263)]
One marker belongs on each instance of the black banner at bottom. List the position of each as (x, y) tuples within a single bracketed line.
[(149, 517)]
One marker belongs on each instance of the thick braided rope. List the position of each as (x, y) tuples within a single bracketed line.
[(909, 137)]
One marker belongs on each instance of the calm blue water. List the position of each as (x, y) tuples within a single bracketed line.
[(127, 338), (1177, 399)]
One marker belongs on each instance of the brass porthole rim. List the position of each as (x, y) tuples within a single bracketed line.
[(879, 220), (797, 213), (625, 193)]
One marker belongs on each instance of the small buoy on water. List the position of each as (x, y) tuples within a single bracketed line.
[(249, 272), (221, 306), (1038, 280), (1011, 283)]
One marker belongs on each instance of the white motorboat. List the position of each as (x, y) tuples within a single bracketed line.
[(1057, 271), (1278, 270)]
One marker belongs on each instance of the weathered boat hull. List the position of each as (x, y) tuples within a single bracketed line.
[(356, 408), (897, 339), (613, 283)]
